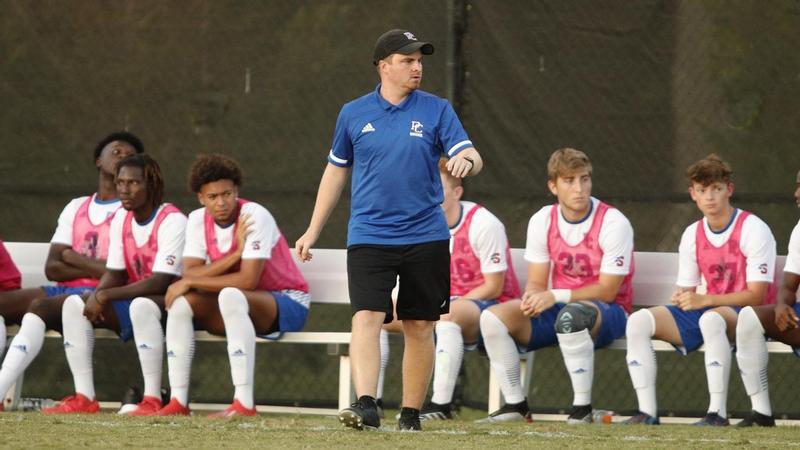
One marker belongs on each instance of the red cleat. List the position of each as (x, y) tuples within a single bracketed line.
[(149, 406), (173, 408), (74, 404), (235, 410)]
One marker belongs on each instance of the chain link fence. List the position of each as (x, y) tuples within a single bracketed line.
[(645, 88)]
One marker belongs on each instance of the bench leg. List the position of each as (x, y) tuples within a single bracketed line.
[(525, 368), (346, 395)]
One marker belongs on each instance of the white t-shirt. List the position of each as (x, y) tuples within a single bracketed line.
[(170, 241), (757, 245), (793, 256), (616, 238), (99, 211), (258, 244), (487, 237)]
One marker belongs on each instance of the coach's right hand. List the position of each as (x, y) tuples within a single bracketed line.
[(304, 244)]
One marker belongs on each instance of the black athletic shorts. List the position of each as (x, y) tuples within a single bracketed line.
[(424, 271)]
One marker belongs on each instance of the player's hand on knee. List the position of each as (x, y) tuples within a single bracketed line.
[(785, 317), (93, 310), (689, 301), (175, 290)]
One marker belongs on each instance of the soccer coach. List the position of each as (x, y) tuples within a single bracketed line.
[(392, 139)]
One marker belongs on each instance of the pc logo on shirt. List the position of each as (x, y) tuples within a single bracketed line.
[(416, 129)]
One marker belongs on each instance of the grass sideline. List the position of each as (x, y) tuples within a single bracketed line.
[(33, 429)]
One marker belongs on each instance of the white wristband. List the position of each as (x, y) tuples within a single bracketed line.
[(562, 295)]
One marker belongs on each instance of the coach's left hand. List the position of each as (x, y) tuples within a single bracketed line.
[(464, 163)]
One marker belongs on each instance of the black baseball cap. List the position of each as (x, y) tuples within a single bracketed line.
[(399, 41)]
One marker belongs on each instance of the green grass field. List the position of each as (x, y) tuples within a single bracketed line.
[(32, 429)]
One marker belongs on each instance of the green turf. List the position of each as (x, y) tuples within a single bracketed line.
[(20, 430)]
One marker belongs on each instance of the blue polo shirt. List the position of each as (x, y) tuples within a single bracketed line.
[(394, 152)]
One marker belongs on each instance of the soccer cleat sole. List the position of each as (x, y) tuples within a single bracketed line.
[(352, 420)]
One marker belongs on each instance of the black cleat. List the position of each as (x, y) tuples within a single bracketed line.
[(580, 415), (641, 418), (510, 412), (712, 419), (379, 404), (756, 418), (409, 420), (435, 411), (361, 416)]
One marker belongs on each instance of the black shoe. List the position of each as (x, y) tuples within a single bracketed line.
[(361, 416), (756, 418), (166, 395), (130, 401), (409, 420), (379, 404), (580, 415), (132, 396), (435, 411), (641, 418), (712, 419), (510, 412)]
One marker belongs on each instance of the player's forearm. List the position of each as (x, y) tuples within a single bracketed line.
[(216, 268), (156, 284), (94, 268), (238, 280), (330, 189), (743, 298), (787, 293), (61, 271), (597, 291), (491, 288)]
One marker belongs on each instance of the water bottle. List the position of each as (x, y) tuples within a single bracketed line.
[(34, 404), (603, 416)]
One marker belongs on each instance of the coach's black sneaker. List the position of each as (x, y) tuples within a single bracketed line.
[(435, 411), (580, 415), (712, 419), (641, 418), (756, 418), (361, 415), (409, 420), (510, 412), (379, 407)]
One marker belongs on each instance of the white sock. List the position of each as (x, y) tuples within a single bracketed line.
[(752, 357), (641, 359), (578, 351), (2, 337), (241, 343), (78, 345), (180, 348), (449, 354), (503, 356), (384, 340), (149, 338), (717, 359), (23, 349)]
